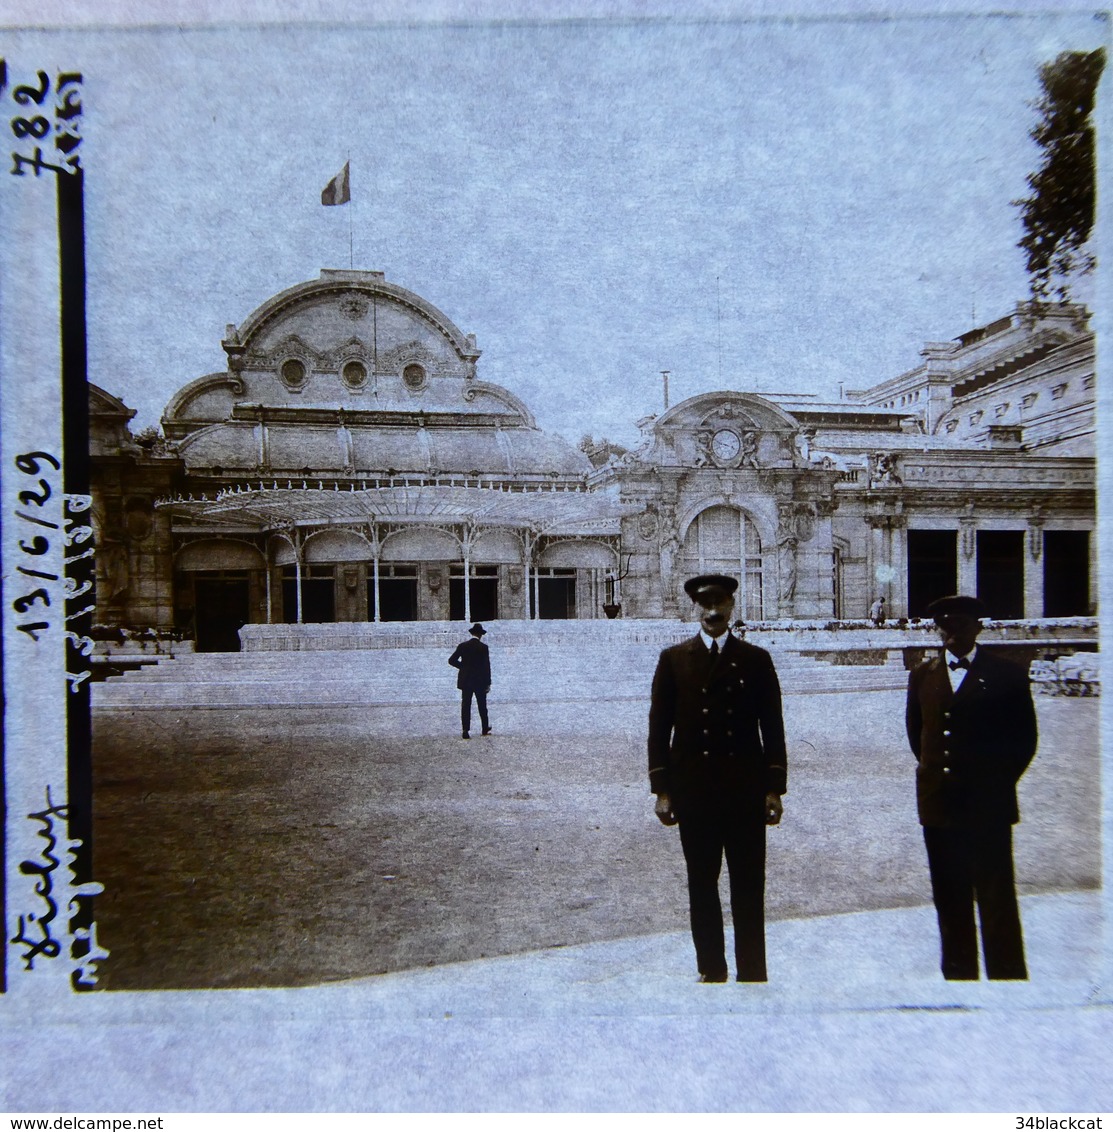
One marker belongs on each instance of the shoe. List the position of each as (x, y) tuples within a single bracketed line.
[(465, 736), (753, 979), (487, 732), (713, 978)]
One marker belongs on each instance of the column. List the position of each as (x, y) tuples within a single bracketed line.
[(375, 568), (467, 579), (877, 563), (1095, 583), (267, 569), (1033, 570), (968, 557), (297, 578), (376, 555), (529, 541), (898, 556)]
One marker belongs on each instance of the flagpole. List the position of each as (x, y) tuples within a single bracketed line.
[(351, 245)]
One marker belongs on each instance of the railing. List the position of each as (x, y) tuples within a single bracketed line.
[(818, 635)]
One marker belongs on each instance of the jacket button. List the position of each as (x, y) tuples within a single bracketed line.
[(730, 711), (946, 733), (946, 770), (706, 710), (706, 732), (729, 734), (946, 715), (706, 753), (704, 691)]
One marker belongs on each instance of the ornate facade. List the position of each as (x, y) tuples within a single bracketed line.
[(350, 465)]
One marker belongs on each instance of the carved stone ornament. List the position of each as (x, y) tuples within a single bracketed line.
[(294, 361), (969, 537), (138, 519), (435, 577), (354, 347), (796, 524), (410, 353), (883, 470), (1036, 523), (353, 307), (729, 415), (648, 524)]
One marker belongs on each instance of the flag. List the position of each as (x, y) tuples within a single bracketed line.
[(338, 190)]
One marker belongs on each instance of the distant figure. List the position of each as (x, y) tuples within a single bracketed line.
[(738, 630), (972, 728), (877, 612), (717, 766), (473, 659)]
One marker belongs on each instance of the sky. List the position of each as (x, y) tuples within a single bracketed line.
[(764, 205)]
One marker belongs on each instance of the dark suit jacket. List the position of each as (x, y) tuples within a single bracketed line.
[(716, 733), (971, 746), (473, 659)]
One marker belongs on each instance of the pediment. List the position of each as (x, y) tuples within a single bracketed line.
[(725, 408)]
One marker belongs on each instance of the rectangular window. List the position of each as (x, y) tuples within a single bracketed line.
[(932, 568), (1001, 573), (397, 591), (318, 593), (556, 594), (483, 597), (1066, 574)]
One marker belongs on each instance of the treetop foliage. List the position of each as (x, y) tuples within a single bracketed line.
[(1058, 216)]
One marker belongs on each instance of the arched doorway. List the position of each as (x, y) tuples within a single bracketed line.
[(724, 540), (218, 576)]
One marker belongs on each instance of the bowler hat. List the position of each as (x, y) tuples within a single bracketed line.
[(708, 589), (956, 605), (477, 630)]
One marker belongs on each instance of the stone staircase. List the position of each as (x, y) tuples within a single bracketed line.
[(566, 672)]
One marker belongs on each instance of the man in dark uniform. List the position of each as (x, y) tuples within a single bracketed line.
[(717, 765), (972, 727), (473, 659)]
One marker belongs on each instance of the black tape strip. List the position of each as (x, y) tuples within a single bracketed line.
[(75, 449)]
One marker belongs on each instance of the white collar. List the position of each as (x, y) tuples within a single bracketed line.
[(948, 656), (721, 641)]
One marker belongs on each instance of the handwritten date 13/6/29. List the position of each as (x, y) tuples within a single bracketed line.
[(38, 509)]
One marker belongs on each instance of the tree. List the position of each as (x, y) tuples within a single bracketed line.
[(1058, 216)]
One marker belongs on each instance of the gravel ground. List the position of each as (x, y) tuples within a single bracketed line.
[(288, 847)]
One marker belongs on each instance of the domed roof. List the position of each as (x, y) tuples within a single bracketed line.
[(343, 447), (350, 374)]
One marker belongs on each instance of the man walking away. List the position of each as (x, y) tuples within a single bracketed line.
[(473, 659), (972, 727)]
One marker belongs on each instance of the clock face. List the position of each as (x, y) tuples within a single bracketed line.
[(725, 444)]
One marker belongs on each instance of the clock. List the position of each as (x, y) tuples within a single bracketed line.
[(725, 445)]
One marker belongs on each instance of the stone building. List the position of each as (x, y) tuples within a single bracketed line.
[(350, 465)]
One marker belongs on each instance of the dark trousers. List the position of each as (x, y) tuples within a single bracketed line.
[(465, 707), (705, 838), (969, 865)]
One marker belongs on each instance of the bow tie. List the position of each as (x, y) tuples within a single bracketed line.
[(962, 662)]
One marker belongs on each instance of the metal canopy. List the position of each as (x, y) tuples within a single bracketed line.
[(264, 508)]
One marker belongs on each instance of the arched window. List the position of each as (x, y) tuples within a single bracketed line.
[(724, 540)]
